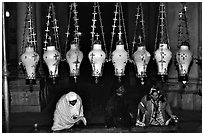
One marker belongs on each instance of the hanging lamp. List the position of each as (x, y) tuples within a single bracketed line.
[(140, 57), (183, 55), (119, 56), (29, 57), (74, 56), (163, 54), (51, 48), (97, 56)]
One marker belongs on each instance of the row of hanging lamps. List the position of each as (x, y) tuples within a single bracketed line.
[(74, 56), (183, 55), (29, 57), (163, 54), (119, 56), (51, 48), (97, 56), (141, 56)]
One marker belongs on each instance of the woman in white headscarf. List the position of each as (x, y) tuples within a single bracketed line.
[(69, 110)]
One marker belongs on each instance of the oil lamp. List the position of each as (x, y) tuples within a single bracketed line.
[(74, 56), (119, 56), (97, 56), (163, 54), (140, 57), (52, 54), (29, 57), (183, 55)]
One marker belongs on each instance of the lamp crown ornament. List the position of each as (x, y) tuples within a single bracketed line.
[(141, 56), (183, 56), (29, 56), (52, 54), (97, 56), (163, 54), (119, 56), (74, 56)]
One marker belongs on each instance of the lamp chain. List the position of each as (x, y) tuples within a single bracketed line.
[(76, 31), (47, 28), (163, 27), (32, 33), (119, 25), (29, 34), (182, 29), (155, 42), (93, 26), (136, 23), (24, 30), (68, 33), (102, 32), (76, 27), (93, 34), (138, 14), (167, 35), (123, 21), (142, 15), (55, 28), (51, 14), (113, 26)]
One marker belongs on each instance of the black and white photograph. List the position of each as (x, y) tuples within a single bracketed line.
[(101, 67)]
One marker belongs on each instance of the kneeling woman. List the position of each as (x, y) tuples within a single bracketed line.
[(155, 110), (69, 111), (117, 110)]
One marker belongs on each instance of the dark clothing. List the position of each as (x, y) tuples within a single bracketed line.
[(117, 112)]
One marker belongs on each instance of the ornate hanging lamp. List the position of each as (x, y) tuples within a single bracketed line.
[(163, 54), (51, 48), (119, 56), (74, 56), (140, 57), (183, 55), (29, 57), (97, 56)]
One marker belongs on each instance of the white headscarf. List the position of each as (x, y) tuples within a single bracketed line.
[(71, 96)]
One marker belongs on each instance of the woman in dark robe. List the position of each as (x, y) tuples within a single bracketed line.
[(117, 112)]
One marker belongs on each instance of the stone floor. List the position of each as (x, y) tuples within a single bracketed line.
[(189, 122)]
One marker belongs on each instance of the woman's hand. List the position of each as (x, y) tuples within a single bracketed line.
[(175, 118)]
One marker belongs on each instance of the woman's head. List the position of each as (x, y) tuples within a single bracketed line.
[(154, 93), (120, 90), (71, 98)]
